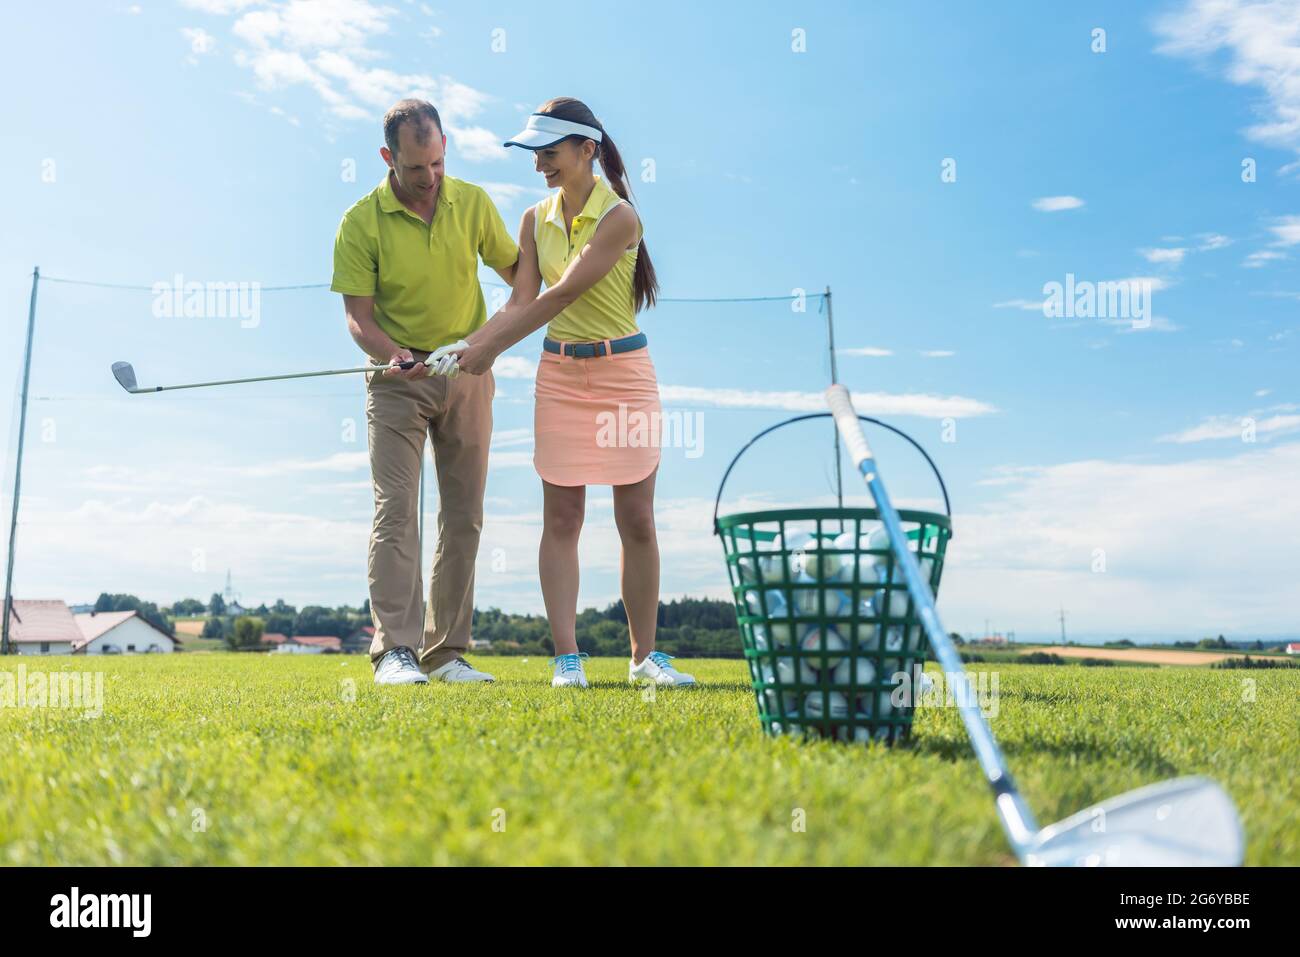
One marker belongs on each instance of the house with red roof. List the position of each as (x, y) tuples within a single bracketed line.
[(42, 627), (121, 633)]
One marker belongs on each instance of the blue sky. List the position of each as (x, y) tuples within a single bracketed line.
[(213, 139)]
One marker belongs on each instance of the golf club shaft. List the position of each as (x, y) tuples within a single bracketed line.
[(1017, 820), (275, 378)]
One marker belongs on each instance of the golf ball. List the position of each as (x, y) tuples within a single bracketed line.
[(807, 558), (776, 605), (807, 601), (854, 671), (819, 704), (815, 640), (774, 634), (890, 602), (894, 638), (791, 672)]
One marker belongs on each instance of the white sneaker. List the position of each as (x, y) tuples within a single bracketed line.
[(657, 668), (458, 669), (568, 671), (399, 667)]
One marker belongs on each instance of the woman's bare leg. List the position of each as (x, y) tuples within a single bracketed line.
[(557, 560), (634, 514)]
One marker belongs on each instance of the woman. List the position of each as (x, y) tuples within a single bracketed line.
[(594, 377)]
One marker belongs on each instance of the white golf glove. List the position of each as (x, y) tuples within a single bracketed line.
[(442, 362)]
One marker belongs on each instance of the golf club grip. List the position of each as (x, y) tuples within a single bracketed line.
[(846, 420)]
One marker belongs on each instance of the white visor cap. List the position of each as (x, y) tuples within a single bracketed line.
[(543, 131)]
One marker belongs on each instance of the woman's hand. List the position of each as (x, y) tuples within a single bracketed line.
[(475, 358)]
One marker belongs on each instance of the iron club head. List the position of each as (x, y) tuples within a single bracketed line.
[(1187, 822), (125, 376)]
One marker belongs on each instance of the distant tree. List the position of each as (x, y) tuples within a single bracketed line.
[(1258, 645), (279, 624), (262, 611), (188, 606), (246, 634), (280, 608), (317, 620), (216, 604), (365, 609), (145, 609), (214, 628), (957, 639)]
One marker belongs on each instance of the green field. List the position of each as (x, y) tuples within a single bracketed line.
[(259, 759)]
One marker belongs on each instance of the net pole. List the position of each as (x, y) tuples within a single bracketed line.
[(18, 467)]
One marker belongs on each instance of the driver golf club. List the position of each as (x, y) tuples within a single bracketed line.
[(1184, 822), (125, 375)]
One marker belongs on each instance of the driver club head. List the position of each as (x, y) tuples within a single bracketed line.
[(125, 376), (1187, 822)]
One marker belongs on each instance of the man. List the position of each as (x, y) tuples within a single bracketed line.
[(406, 261)]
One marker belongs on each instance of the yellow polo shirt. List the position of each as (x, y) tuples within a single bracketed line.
[(605, 311), (424, 277)]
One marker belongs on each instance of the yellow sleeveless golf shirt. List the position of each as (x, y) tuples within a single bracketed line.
[(605, 311)]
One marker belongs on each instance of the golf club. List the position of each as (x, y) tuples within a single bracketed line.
[(1184, 822), (124, 372)]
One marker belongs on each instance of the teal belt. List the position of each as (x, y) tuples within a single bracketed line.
[(590, 350)]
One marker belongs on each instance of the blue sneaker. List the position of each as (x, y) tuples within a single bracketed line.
[(568, 671), (658, 669)]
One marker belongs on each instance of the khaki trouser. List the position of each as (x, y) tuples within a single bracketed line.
[(457, 416)]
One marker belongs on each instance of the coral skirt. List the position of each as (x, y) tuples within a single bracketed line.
[(596, 421)]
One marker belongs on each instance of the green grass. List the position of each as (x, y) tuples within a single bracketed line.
[(286, 765)]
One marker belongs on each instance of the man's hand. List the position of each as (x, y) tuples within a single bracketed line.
[(417, 371)]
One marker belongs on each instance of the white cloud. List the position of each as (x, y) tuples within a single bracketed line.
[(327, 46), (201, 41), (514, 367), (504, 194), (1262, 42), (1055, 204), (1265, 423), (868, 403), (219, 7), (1287, 228), (938, 353), (1200, 547), (476, 144), (1257, 259), (1260, 393), (1029, 305), (1167, 257), (865, 351), (1210, 241)]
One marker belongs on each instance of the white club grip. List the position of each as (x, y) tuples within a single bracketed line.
[(846, 420)]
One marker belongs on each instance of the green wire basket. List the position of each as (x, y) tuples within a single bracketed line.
[(831, 635)]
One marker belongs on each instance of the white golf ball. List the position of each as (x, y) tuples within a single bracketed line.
[(818, 704), (858, 671), (774, 634), (891, 601), (816, 639), (808, 602), (776, 606), (808, 558), (884, 705), (899, 638), (861, 734), (790, 672)]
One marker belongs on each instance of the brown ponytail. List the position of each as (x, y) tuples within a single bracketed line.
[(645, 285)]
